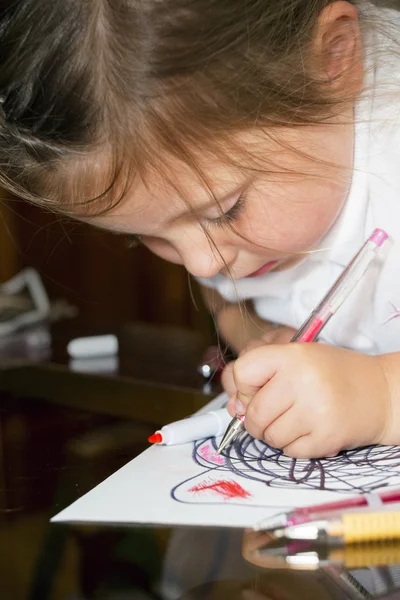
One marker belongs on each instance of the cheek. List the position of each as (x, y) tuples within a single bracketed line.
[(295, 217), (328, 206), (318, 216), (163, 250)]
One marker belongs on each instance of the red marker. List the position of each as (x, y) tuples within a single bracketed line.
[(198, 427)]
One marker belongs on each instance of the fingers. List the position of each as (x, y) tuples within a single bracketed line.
[(254, 370), (268, 404), (299, 448), (227, 377), (261, 389), (307, 446), (286, 429), (293, 398)]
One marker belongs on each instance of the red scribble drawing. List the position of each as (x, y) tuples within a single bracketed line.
[(395, 314), (227, 489), (211, 456)]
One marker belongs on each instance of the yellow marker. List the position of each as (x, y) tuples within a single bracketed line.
[(356, 556), (349, 528)]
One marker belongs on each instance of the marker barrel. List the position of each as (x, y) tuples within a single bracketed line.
[(194, 428)]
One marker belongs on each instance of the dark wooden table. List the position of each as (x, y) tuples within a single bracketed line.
[(64, 429)]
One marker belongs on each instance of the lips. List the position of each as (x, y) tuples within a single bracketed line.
[(264, 269)]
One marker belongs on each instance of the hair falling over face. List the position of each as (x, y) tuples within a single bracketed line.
[(109, 87)]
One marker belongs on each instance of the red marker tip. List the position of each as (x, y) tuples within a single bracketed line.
[(156, 438)]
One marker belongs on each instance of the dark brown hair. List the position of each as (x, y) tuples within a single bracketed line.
[(90, 84)]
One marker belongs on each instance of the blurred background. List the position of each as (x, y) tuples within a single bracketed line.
[(95, 271), (66, 427)]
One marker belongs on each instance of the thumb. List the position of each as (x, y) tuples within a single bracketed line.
[(253, 370)]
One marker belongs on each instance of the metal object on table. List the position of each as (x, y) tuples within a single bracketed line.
[(19, 309), (25, 315), (211, 366), (212, 363)]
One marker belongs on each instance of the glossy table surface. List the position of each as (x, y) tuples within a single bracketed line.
[(65, 427)]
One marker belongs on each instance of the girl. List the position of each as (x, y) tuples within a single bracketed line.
[(253, 141)]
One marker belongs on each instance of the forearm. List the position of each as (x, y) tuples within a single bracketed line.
[(237, 323)]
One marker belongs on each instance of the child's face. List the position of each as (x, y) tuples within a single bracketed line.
[(277, 216)]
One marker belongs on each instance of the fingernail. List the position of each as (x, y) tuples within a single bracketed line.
[(239, 408)]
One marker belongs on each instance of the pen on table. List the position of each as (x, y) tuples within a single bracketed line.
[(309, 513), (348, 528), (209, 424), (328, 306)]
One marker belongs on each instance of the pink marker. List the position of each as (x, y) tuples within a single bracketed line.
[(302, 515), (328, 306)]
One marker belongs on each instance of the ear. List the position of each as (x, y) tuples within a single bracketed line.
[(337, 47)]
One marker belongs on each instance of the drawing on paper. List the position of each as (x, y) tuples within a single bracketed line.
[(354, 471)]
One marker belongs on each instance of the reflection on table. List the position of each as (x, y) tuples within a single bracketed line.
[(62, 432)]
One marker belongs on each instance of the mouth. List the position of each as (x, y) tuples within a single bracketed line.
[(264, 269)]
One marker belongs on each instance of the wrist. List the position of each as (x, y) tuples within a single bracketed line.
[(226, 318), (229, 324)]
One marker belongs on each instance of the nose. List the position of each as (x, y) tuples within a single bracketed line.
[(204, 259)]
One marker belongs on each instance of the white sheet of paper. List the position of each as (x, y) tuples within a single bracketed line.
[(190, 484)]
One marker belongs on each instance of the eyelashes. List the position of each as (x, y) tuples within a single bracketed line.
[(231, 215)]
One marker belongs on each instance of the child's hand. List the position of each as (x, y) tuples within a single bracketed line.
[(276, 335), (312, 400)]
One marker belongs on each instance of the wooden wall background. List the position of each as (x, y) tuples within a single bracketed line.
[(95, 271)]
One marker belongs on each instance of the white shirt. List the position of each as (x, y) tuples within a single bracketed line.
[(369, 320)]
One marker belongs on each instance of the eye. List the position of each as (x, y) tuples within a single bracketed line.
[(231, 215)]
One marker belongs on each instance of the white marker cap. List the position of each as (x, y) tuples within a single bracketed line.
[(97, 345)]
